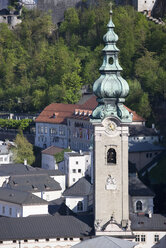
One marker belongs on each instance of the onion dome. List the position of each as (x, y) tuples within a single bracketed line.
[(110, 88)]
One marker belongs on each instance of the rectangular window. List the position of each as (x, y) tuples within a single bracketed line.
[(1, 159), (41, 130), (74, 170), (61, 131), (137, 238), (143, 238), (10, 211), (156, 238), (74, 179), (79, 170), (76, 162), (45, 130), (3, 210)]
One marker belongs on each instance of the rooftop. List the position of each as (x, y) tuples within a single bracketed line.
[(137, 188), (33, 183), (143, 223), (144, 147), (52, 150), (43, 227), (20, 197), (139, 130), (81, 188), (21, 169), (105, 242), (59, 112)]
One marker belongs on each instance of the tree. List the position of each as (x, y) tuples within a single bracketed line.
[(23, 150)]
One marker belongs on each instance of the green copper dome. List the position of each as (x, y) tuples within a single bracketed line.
[(110, 88)]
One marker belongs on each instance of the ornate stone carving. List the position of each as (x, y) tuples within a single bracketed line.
[(110, 183)]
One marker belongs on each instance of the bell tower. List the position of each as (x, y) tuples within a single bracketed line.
[(110, 120)]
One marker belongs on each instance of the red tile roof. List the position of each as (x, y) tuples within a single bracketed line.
[(59, 112)]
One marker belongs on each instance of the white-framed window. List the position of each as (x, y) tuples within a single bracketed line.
[(137, 238), (143, 238), (156, 238), (45, 130), (79, 206), (42, 130), (61, 131)]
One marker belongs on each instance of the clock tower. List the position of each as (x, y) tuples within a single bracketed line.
[(110, 120)]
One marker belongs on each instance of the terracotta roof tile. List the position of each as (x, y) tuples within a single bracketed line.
[(59, 112)]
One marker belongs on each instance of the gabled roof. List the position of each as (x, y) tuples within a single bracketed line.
[(21, 169), (81, 188), (105, 242), (56, 113), (52, 150), (20, 197), (137, 188), (143, 223), (59, 112), (43, 227), (33, 183)]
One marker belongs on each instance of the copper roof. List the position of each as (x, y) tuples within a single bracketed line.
[(59, 112)]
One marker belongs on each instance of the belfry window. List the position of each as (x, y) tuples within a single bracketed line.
[(139, 206), (111, 156)]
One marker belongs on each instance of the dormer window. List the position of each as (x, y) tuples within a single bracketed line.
[(111, 156), (139, 206), (79, 206)]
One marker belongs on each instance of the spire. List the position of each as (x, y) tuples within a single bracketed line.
[(110, 88)]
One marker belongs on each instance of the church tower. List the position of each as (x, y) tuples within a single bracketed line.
[(110, 120)]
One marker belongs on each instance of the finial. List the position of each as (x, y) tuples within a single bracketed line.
[(110, 4)]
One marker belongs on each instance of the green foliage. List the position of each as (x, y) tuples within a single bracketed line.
[(15, 124), (23, 150), (59, 157), (41, 63)]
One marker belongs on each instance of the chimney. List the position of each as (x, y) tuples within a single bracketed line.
[(25, 161)]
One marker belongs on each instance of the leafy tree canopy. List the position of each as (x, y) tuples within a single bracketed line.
[(23, 150)]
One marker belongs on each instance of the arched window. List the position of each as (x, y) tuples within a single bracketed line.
[(111, 156), (79, 206), (139, 206)]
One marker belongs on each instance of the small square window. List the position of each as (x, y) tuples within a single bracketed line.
[(156, 238), (143, 238), (76, 162), (74, 170), (79, 170), (74, 179)]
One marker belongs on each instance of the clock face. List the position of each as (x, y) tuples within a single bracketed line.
[(110, 126)]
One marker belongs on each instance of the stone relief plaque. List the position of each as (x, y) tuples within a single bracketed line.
[(110, 183)]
